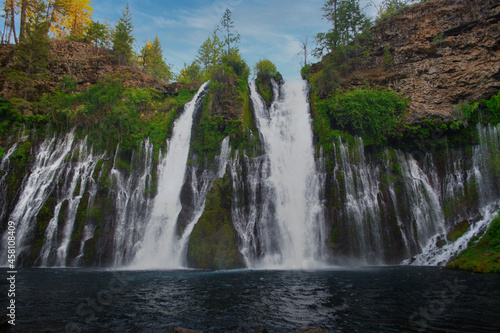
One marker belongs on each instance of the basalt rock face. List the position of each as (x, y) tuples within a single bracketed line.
[(439, 54), (87, 65), (447, 51)]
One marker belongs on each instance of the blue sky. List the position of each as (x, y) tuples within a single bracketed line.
[(271, 29)]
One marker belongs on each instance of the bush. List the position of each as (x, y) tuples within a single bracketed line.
[(371, 114), (265, 70)]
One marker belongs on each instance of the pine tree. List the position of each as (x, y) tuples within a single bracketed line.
[(151, 61), (227, 24), (348, 20), (210, 52), (31, 57), (97, 34), (123, 39)]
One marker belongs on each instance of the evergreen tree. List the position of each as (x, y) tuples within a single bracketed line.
[(31, 57), (151, 61), (123, 39), (97, 34), (227, 24), (191, 73), (210, 52), (348, 20)]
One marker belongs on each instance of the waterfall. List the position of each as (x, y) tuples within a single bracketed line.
[(132, 202), (362, 188), (74, 179), (4, 170), (483, 174), (296, 227), (160, 247), (49, 158)]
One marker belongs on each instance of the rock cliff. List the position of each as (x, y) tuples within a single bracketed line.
[(439, 54), (86, 64)]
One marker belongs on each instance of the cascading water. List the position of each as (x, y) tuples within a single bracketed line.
[(160, 247), (74, 183), (296, 227), (132, 202), (4, 170), (362, 188), (50, 157), (482, 175)]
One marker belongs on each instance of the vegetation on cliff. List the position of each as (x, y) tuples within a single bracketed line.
[(483, 252), (213, 243)]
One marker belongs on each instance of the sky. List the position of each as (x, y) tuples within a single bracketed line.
[(272, 29)]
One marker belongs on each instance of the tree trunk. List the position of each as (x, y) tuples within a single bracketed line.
[(13, 21), (22, 26)]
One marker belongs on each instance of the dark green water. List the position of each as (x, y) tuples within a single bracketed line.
[(381, 299)]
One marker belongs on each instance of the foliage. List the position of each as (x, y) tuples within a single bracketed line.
[(123, 39), (109, 113), (230, 36), (151, 61), (390, 8), (12, 120), (98, 35), (265, 70), (71, 17), (348, 21), (341, 62), (31, 57), (482, 255), (213, 241), (210, 53), (371, 114), (234, 60), (191, 73), (483, 111)]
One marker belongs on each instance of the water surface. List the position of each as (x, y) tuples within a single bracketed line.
[(382, 299)]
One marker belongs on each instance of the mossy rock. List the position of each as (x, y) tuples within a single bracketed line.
[(458, 231), (483, 253), (213, 241), (76, 237)]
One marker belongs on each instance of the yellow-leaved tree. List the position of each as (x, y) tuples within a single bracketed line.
[(70, 17)]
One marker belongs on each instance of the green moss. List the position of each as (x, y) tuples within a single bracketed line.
[(76, 237), (483, 253), (213, 241), (458, 231), (333, 240), (265, 89)]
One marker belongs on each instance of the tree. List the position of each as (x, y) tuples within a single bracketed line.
[(10, 21), (191, 73), (97, 34), (265, 70), (227, 24), (70, 17), (151, 61), (123, 39), (303, 51), (31, 57), (210, 52), (348, 20)]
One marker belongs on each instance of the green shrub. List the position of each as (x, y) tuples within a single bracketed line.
[(371, 114)]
